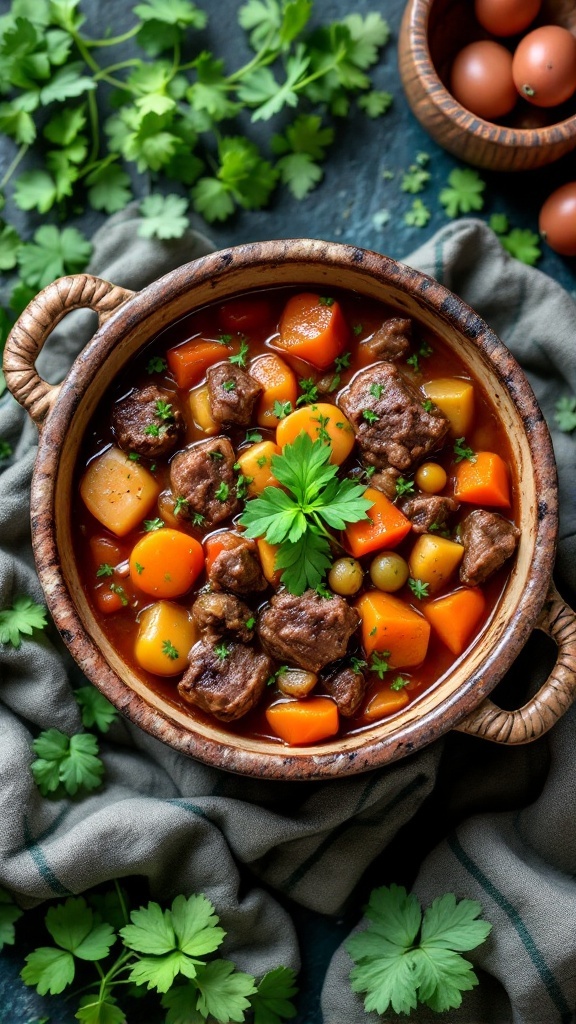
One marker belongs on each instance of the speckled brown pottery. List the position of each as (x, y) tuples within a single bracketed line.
[(126, 322), (431, 34)]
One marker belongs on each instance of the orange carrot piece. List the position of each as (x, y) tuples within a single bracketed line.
[(387, 528), (483, 482), (106, 600), (321, 421), (389, 624), (244, 314), (313, 330), (166, 563), (384, 703), (299, 722), (279, 384), (455, 617), (189, 362), (105, 550)]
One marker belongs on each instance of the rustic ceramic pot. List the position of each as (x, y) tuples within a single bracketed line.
[(127, 321), (431, 34)]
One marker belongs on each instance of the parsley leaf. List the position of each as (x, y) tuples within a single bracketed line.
[(418, 215), (52, 254), (565, 413), (523, 245), (272, 1001), (404, 957), (418, 588), (9, 914), (22, 618), (296, 517), (68, 760), (95, 708), (463, 192), (77, 933), (463, 451), (415, 179), (223, 991), (164, 216)]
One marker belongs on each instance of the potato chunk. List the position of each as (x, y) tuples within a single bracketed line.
[(455, 397), (117, 491)]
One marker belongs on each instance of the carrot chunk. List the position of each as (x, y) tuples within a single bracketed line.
[(299, 722), (321, 421), (483, 482), (279, 385), (189, 362), (388, 526), (166, 563), (389, 624), (313, 329), (455, 617), (106, 600), (244, 314)]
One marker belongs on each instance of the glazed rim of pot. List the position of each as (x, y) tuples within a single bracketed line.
[(446, 102), (222, 275)]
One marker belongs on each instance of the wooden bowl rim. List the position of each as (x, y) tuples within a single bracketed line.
[(417, 17), (282, 763)]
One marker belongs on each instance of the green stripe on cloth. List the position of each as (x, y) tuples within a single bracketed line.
[(36, 852), (187, 805), (310, 862), (550, 982)]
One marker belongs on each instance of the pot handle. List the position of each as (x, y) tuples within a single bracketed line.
[(36, 323), (554, 697)]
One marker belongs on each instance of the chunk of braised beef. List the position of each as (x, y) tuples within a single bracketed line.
[(148, 421), (392, 426), (489, 540), (220, 614), (390, 341), (237, 567), (347, 689), (385, 480), (226, 680), (203, 477), (232, 394), (428, 511), (308, 631)]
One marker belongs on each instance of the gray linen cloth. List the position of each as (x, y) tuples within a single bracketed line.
[(185, 827)]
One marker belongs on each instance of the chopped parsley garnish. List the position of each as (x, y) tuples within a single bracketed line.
[(298, 515), (376, 390), (463, 451), (198, 519), (399, 683), (215, 454), (222, 651), (322, 591), (425, 350), (357, 329), (282, 409), (134, 457), (404, 486), (153, 430), (326, 300), (261, 461), (428, 405), (250, 623), (369, 471), (153, 524), (240, 358), (156, 365), (229, 385), (369, 416), (121, 593), (242, 485), (223, 492), (379, 663), (139, 568), (413, 362), (164, 410), (181, 505), (418, 588), (357, 664), (323, 434), (309, 392), (343, 362), (169, 650), (253, 436), (440, 529), (104, 569), (224, 339)]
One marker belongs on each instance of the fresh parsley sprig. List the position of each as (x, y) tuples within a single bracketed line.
[(298, 518), (405, 957)]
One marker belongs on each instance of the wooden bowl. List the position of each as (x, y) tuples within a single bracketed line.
[(127, 321), (431, 34)]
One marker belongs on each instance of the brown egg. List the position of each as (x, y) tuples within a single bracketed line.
[(544, 66), (481, 79), (506, 17), (557, 221)]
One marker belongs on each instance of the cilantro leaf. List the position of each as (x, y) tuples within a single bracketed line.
[(272, 1001), (403, 957), (164, 216), (276, 96), (177, 12), (50, 970), (22, 618), (565, 413), (95, 709), (35, 190), (109, 188), (9, 914), (67, 83), (74, 928), (463, 193), (68, 760), (299, 172), (523, 245), (52, 254), (223, 991), (375, 102)]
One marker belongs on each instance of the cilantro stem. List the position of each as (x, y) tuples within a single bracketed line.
[(85, 52), (12, 167), (114, 40), (121, 901), (94, 127), (104, 72), (255, 61), (326, 533)]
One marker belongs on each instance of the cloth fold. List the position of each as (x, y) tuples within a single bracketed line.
[(186, 827)]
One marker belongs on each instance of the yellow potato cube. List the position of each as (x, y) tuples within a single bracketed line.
[(433, 560), (202, 411), (455, 397), (165, 636), (117, 491), (256, 464)]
